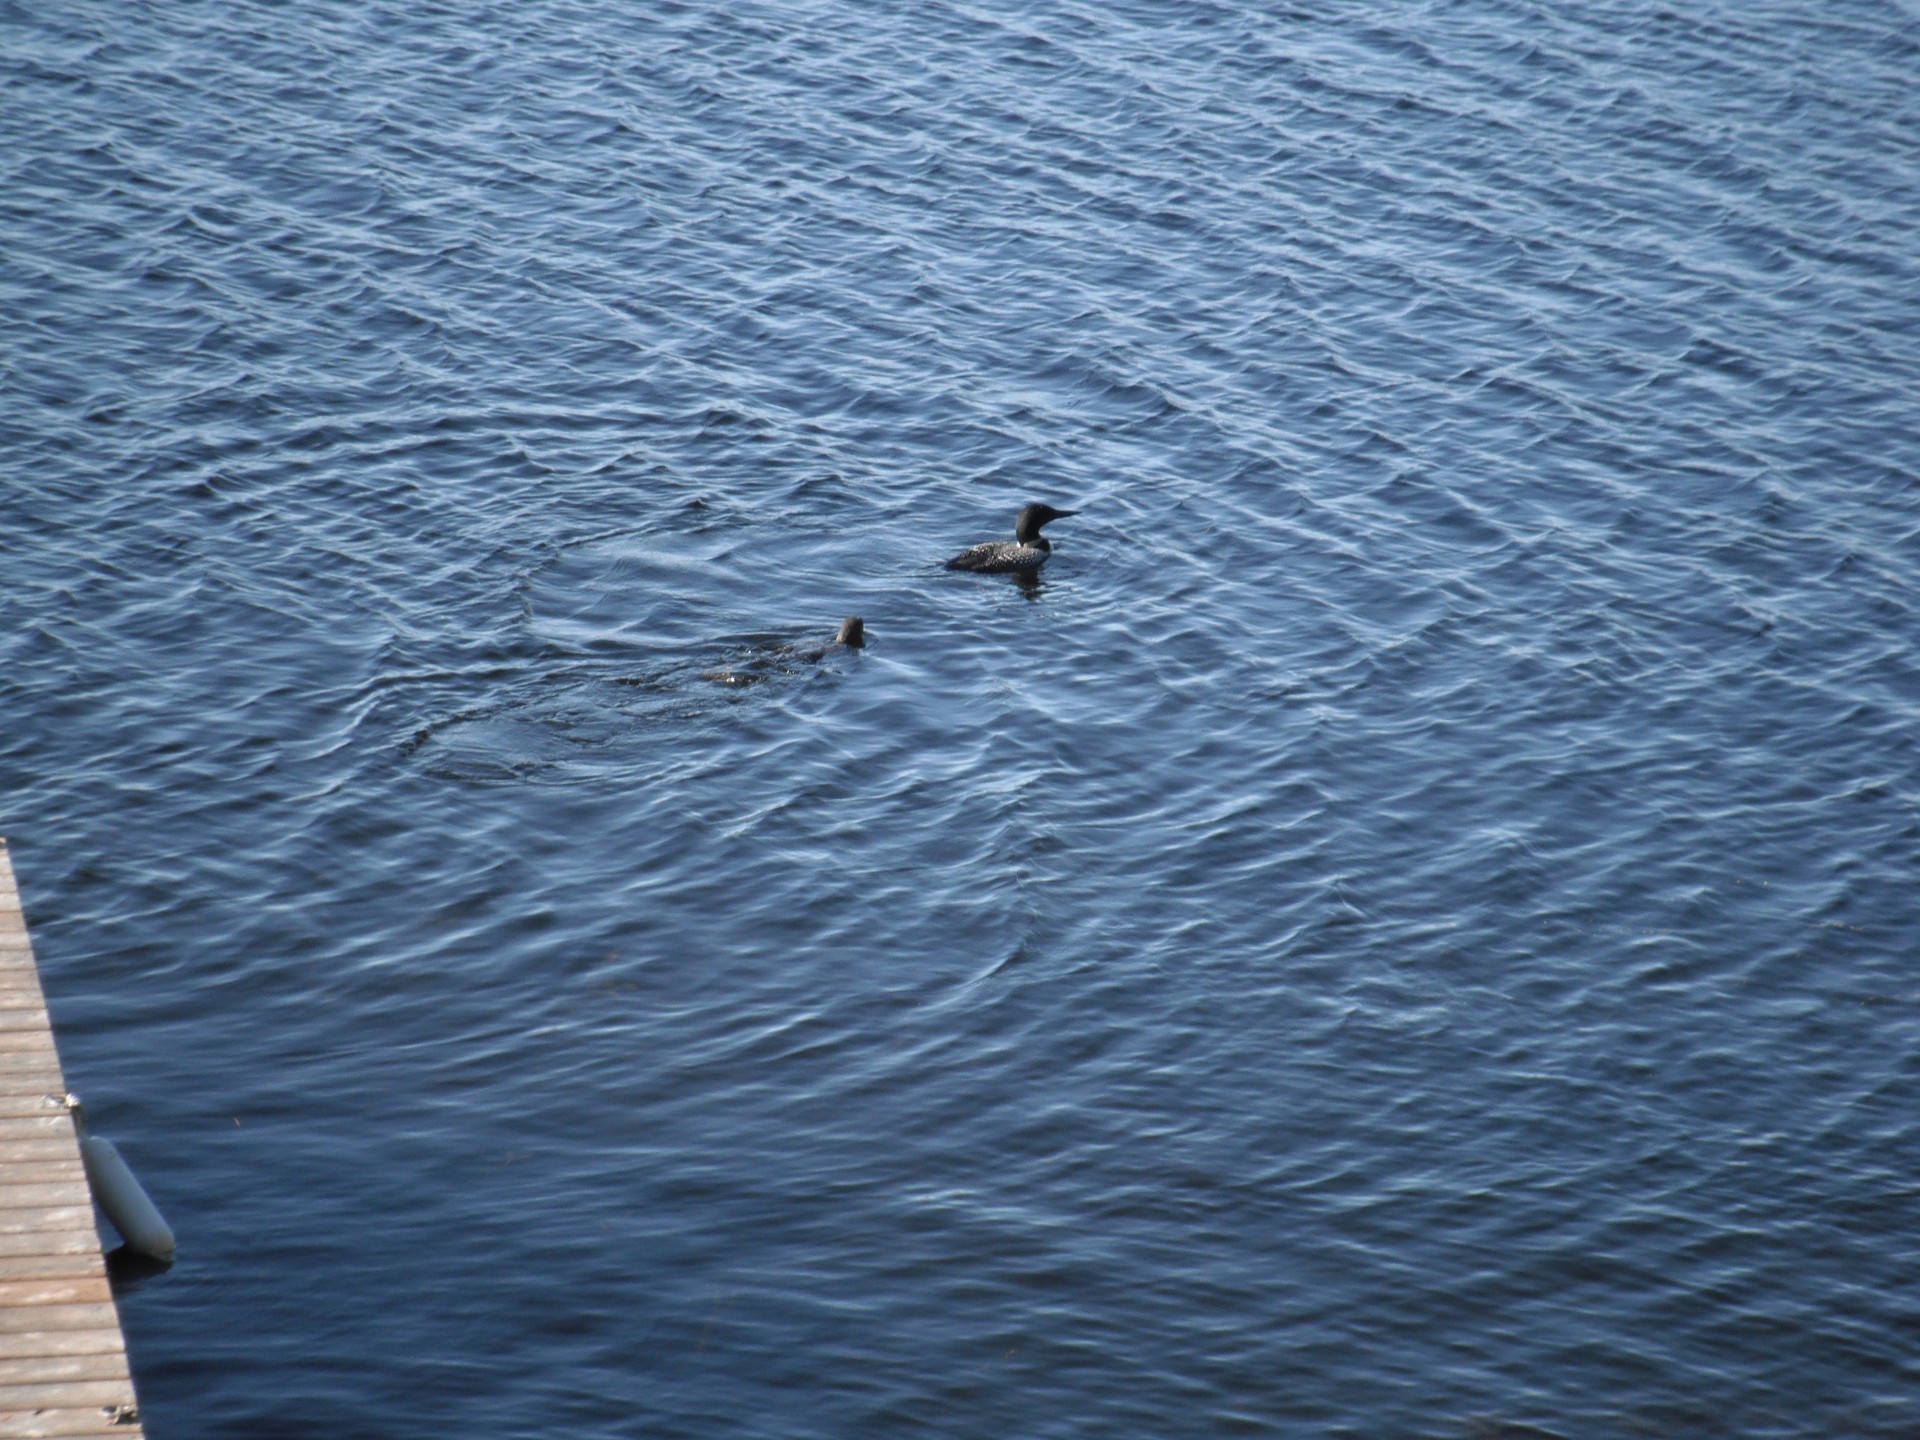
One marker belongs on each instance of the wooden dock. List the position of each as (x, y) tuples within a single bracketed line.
[(63, 1363)]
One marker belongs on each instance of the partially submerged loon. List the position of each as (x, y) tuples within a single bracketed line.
[(1023, 555), (852, 635)]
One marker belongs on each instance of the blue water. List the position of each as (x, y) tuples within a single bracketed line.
[(1407, 930)]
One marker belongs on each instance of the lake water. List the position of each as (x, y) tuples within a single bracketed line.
[(1407, 930)]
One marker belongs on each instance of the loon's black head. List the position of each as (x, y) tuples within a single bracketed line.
[(1026, 528), (853, 631)]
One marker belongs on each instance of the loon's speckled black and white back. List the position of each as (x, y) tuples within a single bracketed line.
[(1022, 555)]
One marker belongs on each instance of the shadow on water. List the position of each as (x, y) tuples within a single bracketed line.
[(128, 1268)]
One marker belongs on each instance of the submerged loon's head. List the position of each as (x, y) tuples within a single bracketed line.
[(853, 631), (1026, 528)]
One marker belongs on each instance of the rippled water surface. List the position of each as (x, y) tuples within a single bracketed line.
[(1407, 930)]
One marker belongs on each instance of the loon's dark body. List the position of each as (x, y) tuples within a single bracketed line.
[(852, 636), (1022, 555), (780, 660)]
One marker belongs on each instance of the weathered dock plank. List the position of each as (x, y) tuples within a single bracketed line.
[(63, 1359)]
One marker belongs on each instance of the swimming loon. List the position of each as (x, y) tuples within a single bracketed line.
[(852, 635), (1022, 555)]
